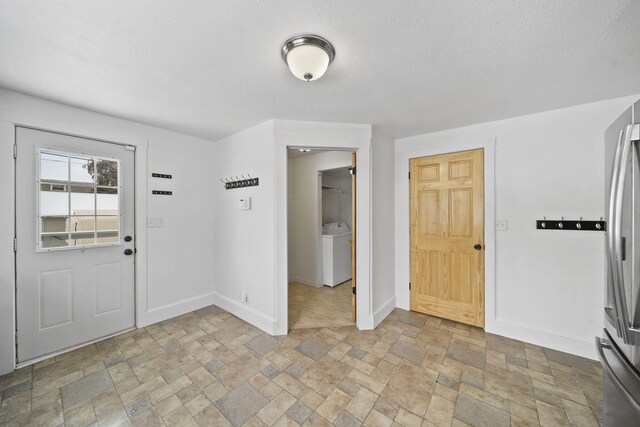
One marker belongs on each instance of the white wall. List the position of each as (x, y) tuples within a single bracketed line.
[(549, 285), (305, 214), (244, 256), (336, 205), (382, 225), (178, 276)]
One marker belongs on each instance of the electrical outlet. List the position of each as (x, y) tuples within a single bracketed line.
[(245, 296), (502, 225)]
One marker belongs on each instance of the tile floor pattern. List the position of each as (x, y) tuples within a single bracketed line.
[(209, 368), (319, 307)]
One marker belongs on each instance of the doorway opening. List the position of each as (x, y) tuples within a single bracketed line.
[(321, 234)]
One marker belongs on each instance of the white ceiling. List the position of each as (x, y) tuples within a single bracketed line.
[(211, 68)]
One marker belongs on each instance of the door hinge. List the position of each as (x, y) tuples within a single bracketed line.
[(353, 290), (15, 151), (352, 170), (409, 285), (15, 245), (409, 174)]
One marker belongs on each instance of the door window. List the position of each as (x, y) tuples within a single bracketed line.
[(78, 202)]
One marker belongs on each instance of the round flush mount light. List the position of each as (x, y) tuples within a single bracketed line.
[(308, 56), (304, 150)]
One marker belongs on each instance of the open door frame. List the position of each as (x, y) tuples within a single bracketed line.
[(353, 236)]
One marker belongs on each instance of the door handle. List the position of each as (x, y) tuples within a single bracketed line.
[(128, 238), (620, 297), (128, 252), (477, 246), (612, 283)]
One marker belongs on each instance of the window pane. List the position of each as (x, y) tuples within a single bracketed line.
[(56, 224), (81, 169), (107, 201), (70, 201), (55, 187), (108, 223), (82, 200), (54, 241), (107, 173), (54, 203), (54, 167), (108, 229), (82, 228)]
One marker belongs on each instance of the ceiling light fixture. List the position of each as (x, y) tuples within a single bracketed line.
[(304, 150), (308, 56)]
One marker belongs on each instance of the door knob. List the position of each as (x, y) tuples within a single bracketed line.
[(477, 246), (127, 238), (128, 252)]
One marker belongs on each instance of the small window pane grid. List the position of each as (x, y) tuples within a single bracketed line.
[(78, 201)]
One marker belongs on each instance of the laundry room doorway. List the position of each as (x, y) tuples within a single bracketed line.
[(321, 234)]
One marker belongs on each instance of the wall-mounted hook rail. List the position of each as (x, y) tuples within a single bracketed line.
[(575, 225), (240, 182)]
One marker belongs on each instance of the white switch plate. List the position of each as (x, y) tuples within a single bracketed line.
[(502, 225), (155, 222), (245, 203)]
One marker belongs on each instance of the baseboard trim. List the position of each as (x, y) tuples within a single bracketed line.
[(246, 313), (381, 313), (168, 311), (570, 345)]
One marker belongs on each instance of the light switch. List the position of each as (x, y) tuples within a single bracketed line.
[(502, 225), (155, 222), (245, 203)]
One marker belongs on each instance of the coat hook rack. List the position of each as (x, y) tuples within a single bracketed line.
[(571, 225), (240, 182)]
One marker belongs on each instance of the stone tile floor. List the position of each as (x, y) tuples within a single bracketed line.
[(210, 368)]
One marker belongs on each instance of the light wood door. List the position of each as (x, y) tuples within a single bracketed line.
[(353, 236), (447, 236)]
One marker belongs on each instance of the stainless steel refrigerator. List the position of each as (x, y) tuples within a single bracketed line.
[(619, 347)]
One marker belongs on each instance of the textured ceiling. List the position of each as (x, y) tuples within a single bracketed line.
[(211, 68)]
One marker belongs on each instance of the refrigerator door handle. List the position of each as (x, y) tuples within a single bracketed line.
[(601, 345), (611, 252), (620, 296)]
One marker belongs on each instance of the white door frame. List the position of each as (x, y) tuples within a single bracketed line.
[(8, 123), (328, 136), (403, 153)]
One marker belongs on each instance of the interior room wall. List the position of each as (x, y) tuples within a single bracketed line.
[(244, 239), (336, 203), (382, 225), (179, 277), (305, 214), (549, 285)]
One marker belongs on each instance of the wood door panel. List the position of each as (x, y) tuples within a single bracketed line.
[(447, 220), (429, 173), (460, 170), (460, 212), (458, 312), (429, 202), (460, 275)]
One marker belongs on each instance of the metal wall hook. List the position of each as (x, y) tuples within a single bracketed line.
[(238, 182), (575, 225)]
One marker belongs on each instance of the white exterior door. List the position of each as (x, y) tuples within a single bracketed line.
[(75, 241)]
